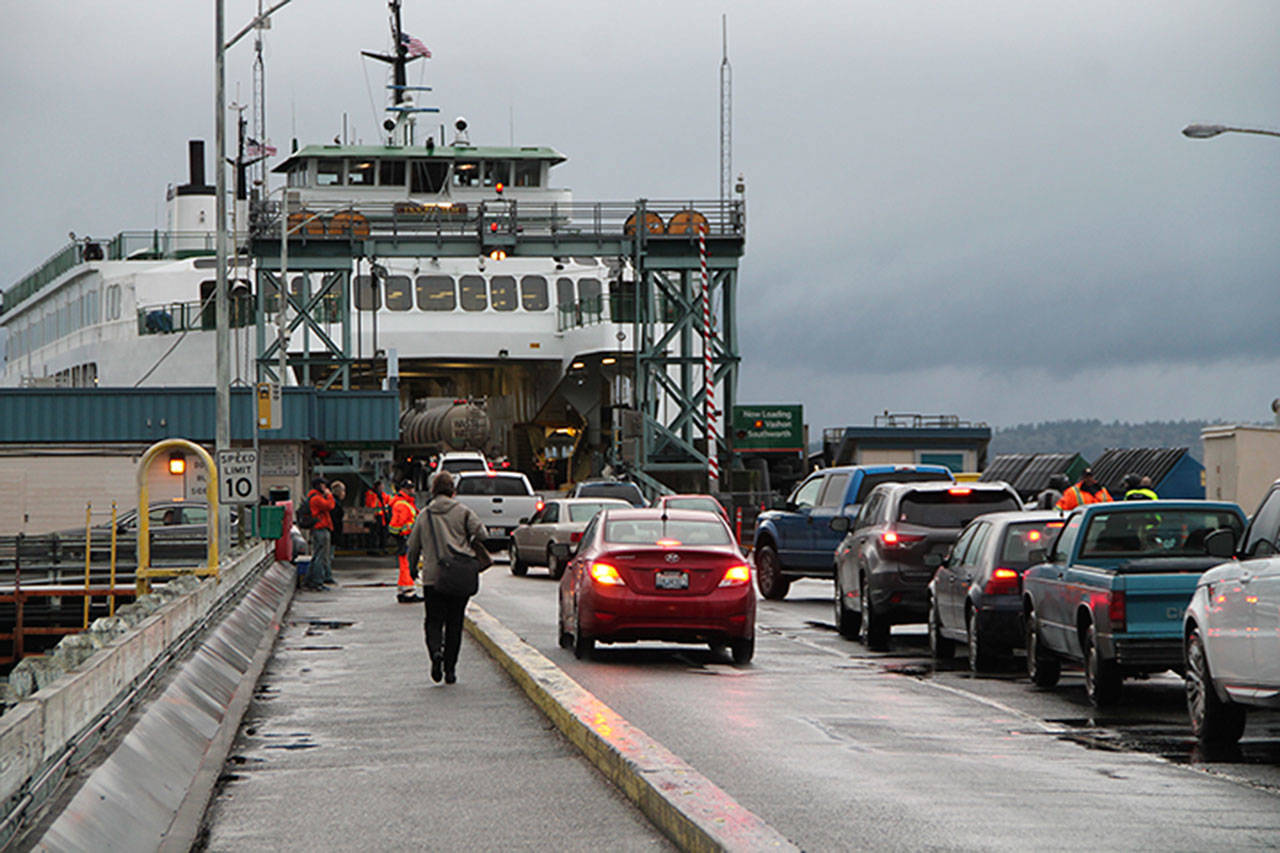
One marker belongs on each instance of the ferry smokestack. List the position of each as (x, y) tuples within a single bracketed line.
[(195, 157)]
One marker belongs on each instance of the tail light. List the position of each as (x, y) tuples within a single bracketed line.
[(576, 536), (893, 539), (1115, 611), (605, 574), (539, 505), (1004, 582), (736, 575), (959, 491)]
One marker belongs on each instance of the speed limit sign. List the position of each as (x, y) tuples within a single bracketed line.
[(238, 476)]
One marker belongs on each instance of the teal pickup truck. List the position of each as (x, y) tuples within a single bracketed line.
[(1111, 592)]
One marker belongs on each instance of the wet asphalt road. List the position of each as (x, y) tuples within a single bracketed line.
[(839, 748)]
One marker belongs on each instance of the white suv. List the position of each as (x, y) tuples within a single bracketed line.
[(456, 461)]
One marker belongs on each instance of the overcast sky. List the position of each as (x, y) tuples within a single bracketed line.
[(978, 208)]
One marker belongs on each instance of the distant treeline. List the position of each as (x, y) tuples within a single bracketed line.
[(1090, 437)]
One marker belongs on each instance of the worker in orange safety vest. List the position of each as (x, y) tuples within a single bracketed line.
[(378, 500), (1087, 491), (403, 512)]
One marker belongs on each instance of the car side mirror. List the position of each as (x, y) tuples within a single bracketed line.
[(1038, 555), (562, 550), (840, 523), (1220, 543), (932, 561)]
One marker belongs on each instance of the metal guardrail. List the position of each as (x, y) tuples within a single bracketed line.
[(191, 316)]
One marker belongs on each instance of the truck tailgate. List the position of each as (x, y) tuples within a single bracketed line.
[(1154, 603)]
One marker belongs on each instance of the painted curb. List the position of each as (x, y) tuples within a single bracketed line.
[(691, 810)]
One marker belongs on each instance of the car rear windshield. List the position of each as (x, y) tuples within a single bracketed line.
[(584, 512), (870, 481), (1157, 532), (1024, 537), (453, 466), (496, 485), (626, 491), (655, 531), (708, 504), (954, 508)]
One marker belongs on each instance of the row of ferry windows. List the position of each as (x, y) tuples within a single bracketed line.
[(46, 325), (424, 176), (472, 292)]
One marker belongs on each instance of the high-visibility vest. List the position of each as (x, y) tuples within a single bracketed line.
[(1141, 495), (403, 512), (1076, 496)]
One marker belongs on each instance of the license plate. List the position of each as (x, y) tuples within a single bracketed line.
[(672, 580)]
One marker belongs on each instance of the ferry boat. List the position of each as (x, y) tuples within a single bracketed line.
[(535, 347)]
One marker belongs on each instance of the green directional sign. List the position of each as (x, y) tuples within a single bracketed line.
[(772, 428)]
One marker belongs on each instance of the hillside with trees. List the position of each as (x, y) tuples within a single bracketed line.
[(1090, 437)]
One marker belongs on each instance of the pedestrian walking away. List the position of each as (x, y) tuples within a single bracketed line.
[(1048, 499), (403, 512), (320, 501), (1087, 491), (443, 528)]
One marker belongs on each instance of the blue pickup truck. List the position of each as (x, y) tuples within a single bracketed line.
[(1111, 591), (795, 539)]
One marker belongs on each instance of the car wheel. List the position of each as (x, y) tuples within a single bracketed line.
[(583, 646), (769, 579), (875, 628), (848, 622), (1212, 720), (519, 567), (1043, 668), (943, 648), (555, 568), (1102, 678), (982, 658), (743, 650)]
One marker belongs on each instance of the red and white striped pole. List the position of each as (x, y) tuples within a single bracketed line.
[(708, 372)]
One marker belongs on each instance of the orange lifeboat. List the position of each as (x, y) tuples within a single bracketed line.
[(652, 224), (314, 228), (687, 221), (348, 222)]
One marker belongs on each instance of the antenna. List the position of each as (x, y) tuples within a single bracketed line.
[(258, 170), (726, 112)]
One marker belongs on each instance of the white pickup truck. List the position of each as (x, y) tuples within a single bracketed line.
[(501, 499)]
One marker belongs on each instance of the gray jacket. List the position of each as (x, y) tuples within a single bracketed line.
[(454, 525)]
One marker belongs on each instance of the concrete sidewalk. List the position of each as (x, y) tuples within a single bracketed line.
[(348, 745)]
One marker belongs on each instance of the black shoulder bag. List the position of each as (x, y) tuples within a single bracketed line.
[(459, 574)]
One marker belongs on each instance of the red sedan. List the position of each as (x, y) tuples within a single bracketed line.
[(654, 574)]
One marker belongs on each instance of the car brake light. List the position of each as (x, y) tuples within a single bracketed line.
[(959, 491), (1055, 524), (893, 539), (490, 474), (1115, 611), (539, 505), (603, 573), (575, 536), (668, 543), (1003, 582), (736, 575)]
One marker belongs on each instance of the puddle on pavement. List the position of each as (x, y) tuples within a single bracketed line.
[(317, 626), (1170, 741), (315, 648)]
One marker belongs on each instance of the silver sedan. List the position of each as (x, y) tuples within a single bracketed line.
[(559, 520)]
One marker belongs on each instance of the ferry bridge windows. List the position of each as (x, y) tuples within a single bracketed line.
[(399, 293), (428, 176), (466, 173), (502, 292), (368, 297), (391, 173), (328, 173), (564, 292), (497, 172), (436, 293), (528, 173), (533, 293), (297, 176), (360, 173), (473, 293), (113, 302)]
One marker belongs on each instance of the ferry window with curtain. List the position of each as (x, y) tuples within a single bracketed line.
[(474, 294), (360, 173), (502, 292), (564, 292), (533, 293), (399, 293), (391, 173), (367, 296), (436, 293), (466, 173), (497, 171), (528, 173), (428, 176)]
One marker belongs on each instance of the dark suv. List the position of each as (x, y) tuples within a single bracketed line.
[(891, 549), (620, 489)]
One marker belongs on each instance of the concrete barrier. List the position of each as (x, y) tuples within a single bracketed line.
[(37, 733)]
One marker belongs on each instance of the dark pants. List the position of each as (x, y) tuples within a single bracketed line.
[(444, 616)]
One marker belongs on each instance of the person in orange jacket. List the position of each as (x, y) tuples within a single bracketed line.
[(403, 512), (378, 500), (1087, 491)]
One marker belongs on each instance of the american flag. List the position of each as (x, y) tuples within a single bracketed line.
[(258, 149), (415, 47)]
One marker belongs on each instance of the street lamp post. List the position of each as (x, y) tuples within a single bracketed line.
[(1208, 131)]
